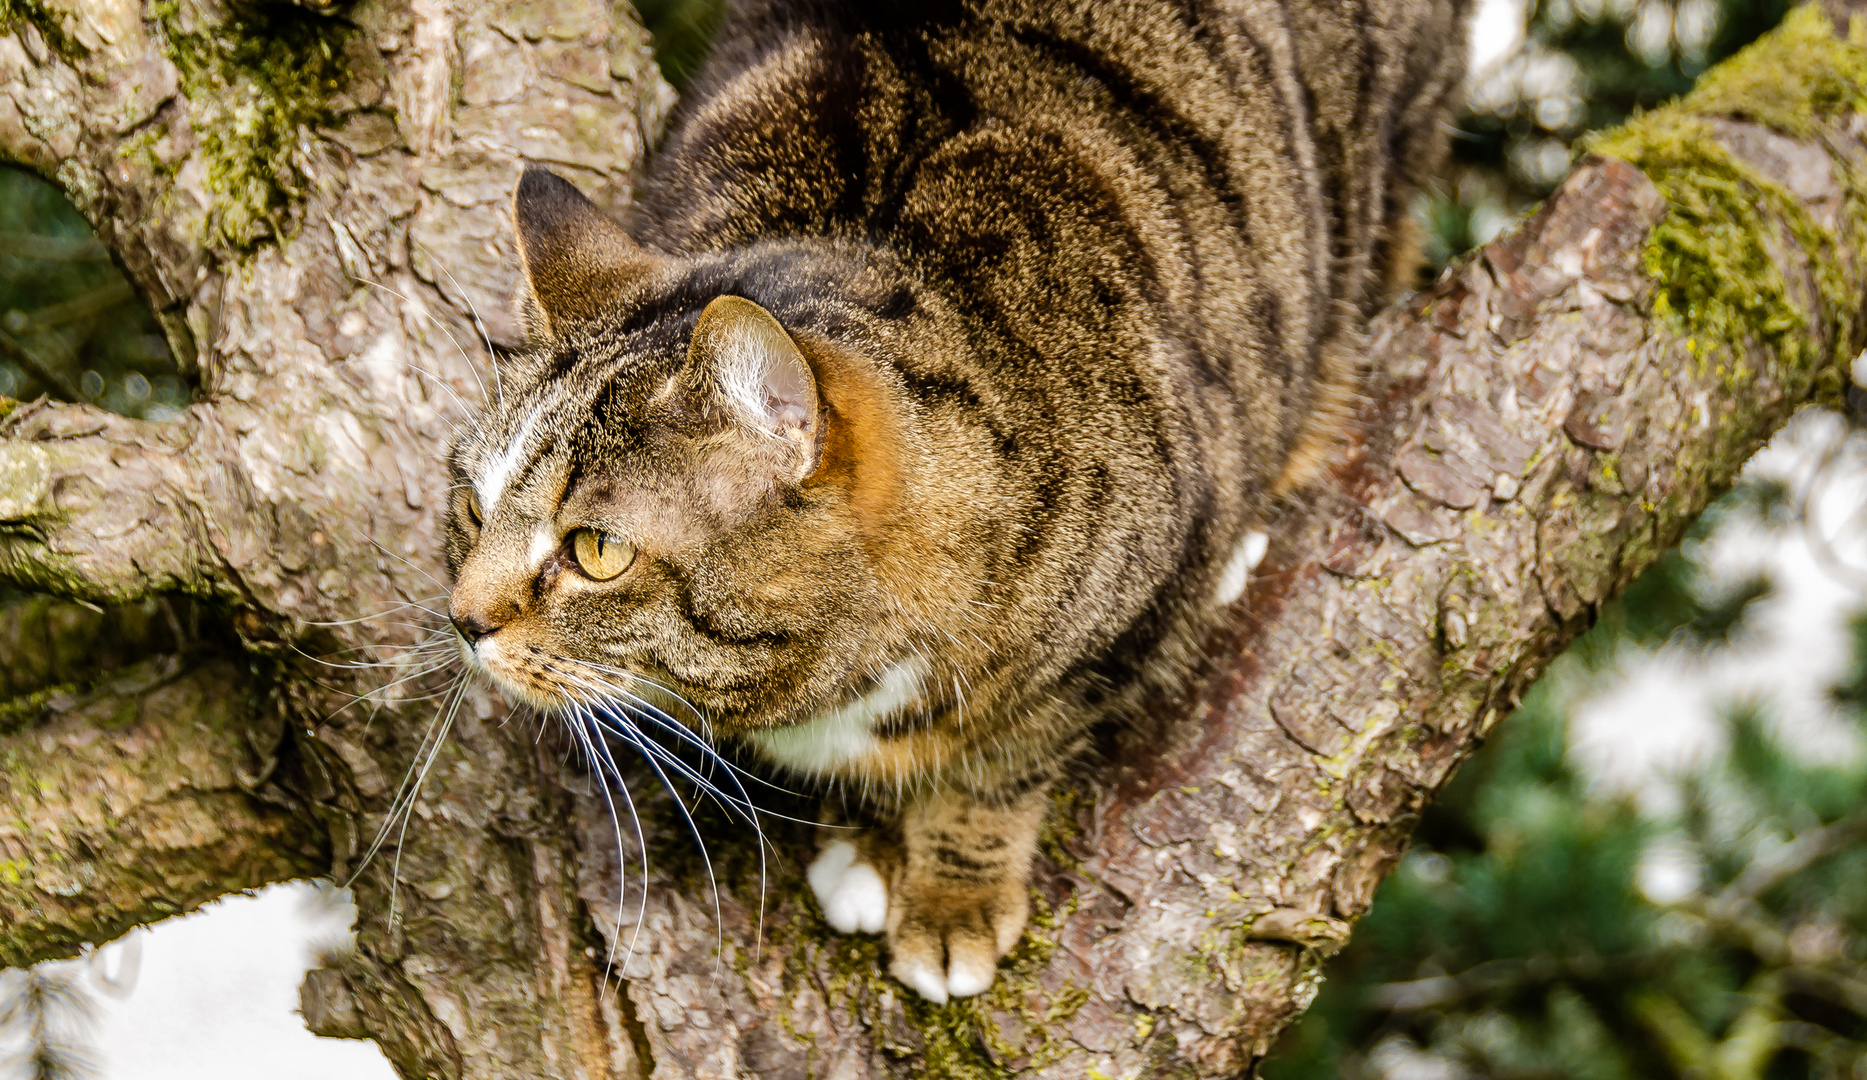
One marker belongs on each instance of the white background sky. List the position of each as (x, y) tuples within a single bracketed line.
[(215, 995)]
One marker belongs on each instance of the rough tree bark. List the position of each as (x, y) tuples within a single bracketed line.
[(309, 196)]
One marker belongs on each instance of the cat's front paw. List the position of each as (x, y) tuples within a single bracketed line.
[(851, 892), (944, 938)]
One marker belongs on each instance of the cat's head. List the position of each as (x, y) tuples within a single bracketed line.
[(670, 486)]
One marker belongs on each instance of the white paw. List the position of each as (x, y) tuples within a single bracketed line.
[(853, 895), (1237, 573), (965, 978), (1253, 547), (927, 980), (961, 979)]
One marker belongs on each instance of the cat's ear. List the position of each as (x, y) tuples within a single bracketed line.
[(742, 359), (575, 259)]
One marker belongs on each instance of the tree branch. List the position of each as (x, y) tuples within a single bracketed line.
[(143, 799), (102, 508), (322, 258)]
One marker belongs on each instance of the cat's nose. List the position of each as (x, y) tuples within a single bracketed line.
[(472, 625)]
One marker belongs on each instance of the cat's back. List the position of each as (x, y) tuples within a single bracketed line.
[(1180, 200), (818, 116), (1242, 163), (825, 118)]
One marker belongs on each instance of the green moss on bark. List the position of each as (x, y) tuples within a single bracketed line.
[(41, 17), (1791, 79), (261, 82), (1719, 283), (19, 712)]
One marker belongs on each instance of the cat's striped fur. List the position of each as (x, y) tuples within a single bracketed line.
[(1069, 292)]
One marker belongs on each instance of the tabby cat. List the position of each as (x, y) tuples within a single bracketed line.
[(919, 415)]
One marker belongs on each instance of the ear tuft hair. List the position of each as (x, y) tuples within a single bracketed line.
[(575, 259), (742, 358)]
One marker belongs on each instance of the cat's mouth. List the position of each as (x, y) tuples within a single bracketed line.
[(552, 683), (485, 658), (527, 674)]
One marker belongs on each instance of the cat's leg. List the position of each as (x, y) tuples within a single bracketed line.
[(960, 896)]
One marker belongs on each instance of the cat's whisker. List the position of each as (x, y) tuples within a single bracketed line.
[(420, 603), (685, 769), (403, 804), (596, 766), (422, 310), (700, 717), (404, 622), (408, 810), (741, 806), (379, 691), (641, 841), (709, 753), (679, 730), (429, 633), (411, 780), (434, 644), (445, 588), (453, 424), (410, 658), (432, 580), (663, 716), (375, 696), (432, 654), (492, 356), (719, 915)]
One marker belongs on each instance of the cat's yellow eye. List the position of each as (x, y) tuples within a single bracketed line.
[(599, 556), (473, 505)]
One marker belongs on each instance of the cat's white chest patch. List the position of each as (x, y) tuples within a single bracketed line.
[(845, 734)]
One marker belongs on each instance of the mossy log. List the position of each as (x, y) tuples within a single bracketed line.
[(309, 196)]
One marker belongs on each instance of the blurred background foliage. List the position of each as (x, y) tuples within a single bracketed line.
[(683, 31), (1547, 72), (1542, 925), (70, 325)]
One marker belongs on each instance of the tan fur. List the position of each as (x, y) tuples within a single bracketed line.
[(956, 350)]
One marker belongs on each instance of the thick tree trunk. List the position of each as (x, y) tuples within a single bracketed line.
[(311, 198)]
